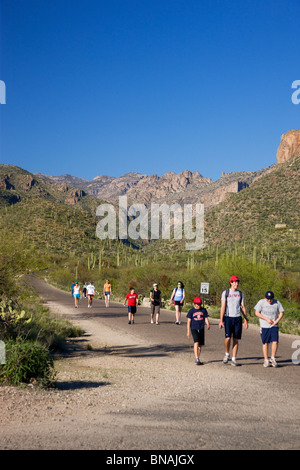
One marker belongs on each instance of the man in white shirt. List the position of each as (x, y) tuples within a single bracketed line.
[(270, 312), (232, 305), (90, 290)]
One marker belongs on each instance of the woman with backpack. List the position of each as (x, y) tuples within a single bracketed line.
[(155, 298), (178, 295)]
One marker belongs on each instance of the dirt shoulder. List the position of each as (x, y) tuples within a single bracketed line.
[(124, 393)]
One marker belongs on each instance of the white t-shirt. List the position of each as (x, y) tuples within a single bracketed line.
[(268, 310), (90, 289)]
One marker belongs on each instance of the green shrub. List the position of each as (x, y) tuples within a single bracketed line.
[(26, 362), (34, 323)]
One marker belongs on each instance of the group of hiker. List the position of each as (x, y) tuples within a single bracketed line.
[(268, 310), (232, 312), (88, 291), (233, 316)]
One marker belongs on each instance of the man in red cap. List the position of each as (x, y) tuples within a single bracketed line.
[(232, 305), (197, 317)]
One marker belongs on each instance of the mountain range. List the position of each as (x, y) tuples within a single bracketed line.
[(260, 206), (184, 187)]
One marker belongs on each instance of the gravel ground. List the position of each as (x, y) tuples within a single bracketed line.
[(115, 398)]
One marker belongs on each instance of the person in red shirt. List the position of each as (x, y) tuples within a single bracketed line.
[(133, 300)]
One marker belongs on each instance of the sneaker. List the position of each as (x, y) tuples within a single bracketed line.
[(233, 362), (225, 359), (157, 323), (273, 362), (198, 362), (266, 363)]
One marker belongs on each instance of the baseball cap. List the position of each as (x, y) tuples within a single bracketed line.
[(155, 284), (234, 278), (197, 300), (269, 295)]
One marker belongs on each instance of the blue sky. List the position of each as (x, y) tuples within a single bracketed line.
[(108, 87)]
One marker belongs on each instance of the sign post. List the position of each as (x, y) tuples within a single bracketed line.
[(204, 289)]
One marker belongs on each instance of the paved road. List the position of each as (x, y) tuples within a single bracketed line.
[(168, 337), (157, 397)]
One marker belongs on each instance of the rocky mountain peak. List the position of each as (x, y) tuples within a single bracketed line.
[(289, 147)]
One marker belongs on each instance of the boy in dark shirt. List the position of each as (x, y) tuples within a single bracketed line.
[(197, 317)]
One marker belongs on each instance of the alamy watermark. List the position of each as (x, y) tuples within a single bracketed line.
[(296, 95), (137, 222), (2, 352), (2, 92), (296, 354)]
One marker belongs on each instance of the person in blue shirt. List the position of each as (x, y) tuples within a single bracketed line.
[(72, 288), (197, 318), (178, 295)]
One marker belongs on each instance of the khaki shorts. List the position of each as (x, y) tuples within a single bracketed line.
[(155, 309)]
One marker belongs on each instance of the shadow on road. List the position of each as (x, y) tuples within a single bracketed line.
[(77, 384), (148, 351)]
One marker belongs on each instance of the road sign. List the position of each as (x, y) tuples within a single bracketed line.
[(204, 289)]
